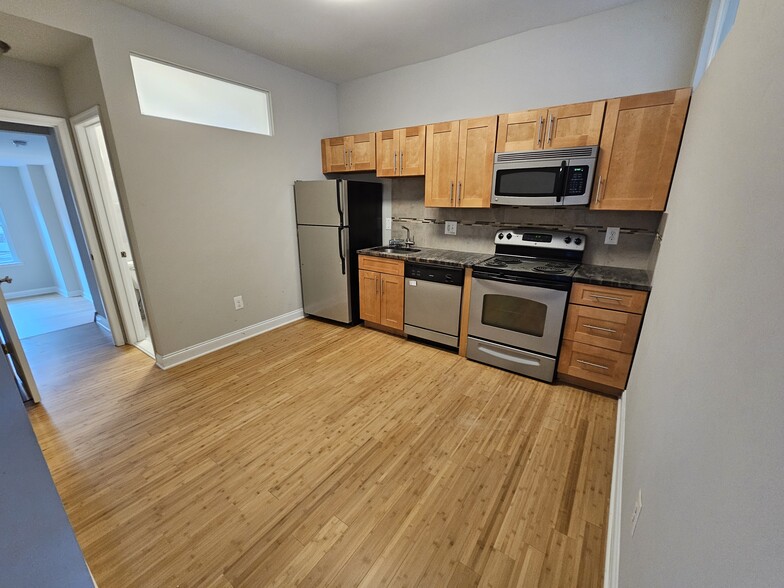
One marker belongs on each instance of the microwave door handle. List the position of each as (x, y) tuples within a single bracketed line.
[(560, 188)]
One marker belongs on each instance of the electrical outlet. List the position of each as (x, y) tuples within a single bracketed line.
[(238, 303), (611, 238), (636, 511), (389, 223), (450, 228)]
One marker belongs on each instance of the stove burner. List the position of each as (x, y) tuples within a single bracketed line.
[(549, 269), (502, 261)]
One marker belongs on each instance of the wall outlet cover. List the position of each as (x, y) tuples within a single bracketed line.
[(238, 303), (450, 228), (611, 238)]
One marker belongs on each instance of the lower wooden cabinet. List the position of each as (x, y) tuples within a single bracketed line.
[(381, 291), (600, 336)]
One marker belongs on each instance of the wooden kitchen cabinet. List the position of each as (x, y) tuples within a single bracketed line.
[(349, 153), (459, 163), (381, 291), (571, 125), (600, 336), (400, 152), (639, 147)]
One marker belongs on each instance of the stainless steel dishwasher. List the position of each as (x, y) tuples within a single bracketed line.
[(433, 295)]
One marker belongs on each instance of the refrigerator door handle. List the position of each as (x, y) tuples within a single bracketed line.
[(340, 207), (340, 251)]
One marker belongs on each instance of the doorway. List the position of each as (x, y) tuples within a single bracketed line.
[(111, 226)]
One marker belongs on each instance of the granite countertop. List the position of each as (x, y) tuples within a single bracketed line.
[(617, 277), (436, 256)]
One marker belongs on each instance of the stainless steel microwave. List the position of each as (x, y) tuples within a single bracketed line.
[(550, 177)]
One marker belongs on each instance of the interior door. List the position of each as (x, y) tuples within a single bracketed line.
[(12, 348)]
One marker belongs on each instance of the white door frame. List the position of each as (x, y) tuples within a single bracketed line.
[(63, 136), (100, 198)]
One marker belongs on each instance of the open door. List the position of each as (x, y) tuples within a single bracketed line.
[(12, 350)]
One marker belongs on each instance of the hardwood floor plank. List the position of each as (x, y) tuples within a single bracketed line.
[(319, 455)]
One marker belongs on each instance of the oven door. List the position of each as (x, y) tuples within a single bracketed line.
[(518, 314)]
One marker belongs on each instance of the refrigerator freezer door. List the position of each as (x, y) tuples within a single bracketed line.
[(320, 202), (325, 270)]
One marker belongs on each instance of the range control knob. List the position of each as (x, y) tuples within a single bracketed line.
[(577, 241), (509, 235), (500, 235), (567, 240)]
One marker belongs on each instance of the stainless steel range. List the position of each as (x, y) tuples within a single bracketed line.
[(519, 298)]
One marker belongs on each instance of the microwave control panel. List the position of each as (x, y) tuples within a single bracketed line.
[(576, 180)]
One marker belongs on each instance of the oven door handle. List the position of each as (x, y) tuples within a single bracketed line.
[(507, 357), (560, 189), (562, 286)]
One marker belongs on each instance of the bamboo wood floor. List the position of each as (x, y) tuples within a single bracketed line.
[(316, 455)]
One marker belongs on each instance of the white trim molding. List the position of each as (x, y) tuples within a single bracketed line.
[(178, 357), (33, 292), (102, 322), (613, 548)]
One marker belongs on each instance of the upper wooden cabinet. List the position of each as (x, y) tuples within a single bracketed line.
[(638, 151), (400, 152), (572, 125), (459, 163), (349, 153)]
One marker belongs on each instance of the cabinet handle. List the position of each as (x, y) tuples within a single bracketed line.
[(345, 158), (605, 329), (550, 130), (459, 192), (596, 365), (350, 158), (395, 162), (599, 190), (382, 285), (377, 280), (539, 126), (451, 192), (401, 162), (600, 297)]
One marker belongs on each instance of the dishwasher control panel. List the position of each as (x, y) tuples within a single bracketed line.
[(435, 273)]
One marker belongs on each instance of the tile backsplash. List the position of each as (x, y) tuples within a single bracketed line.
[(476, 228)]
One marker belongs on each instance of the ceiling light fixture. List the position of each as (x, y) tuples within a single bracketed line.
[(4, 47), (19, 142)]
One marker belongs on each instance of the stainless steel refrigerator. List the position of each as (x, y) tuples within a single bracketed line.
[(335, 218)]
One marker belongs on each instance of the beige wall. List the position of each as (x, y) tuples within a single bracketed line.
[(704, 434), (645, 46), (210, 211), (29, 87)]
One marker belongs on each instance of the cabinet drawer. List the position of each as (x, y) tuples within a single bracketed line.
[(603, 328), (394, 267), (595, 364), (611, 298)]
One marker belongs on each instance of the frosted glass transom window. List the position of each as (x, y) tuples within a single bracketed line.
[(168, 91)]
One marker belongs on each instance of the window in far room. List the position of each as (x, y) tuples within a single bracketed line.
[(172, 92), (7, 253)]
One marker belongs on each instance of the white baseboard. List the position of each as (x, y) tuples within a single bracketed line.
[(33, 292), (102, 322), (613, 547), (171, 359)]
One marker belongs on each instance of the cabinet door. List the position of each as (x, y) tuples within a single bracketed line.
[(370, 296), (639, 148), (412, 151), (441, 147), (392, 293), (574, 125), (334, 155), (475, 162), (387, 153), (362, 152), (521, 131)]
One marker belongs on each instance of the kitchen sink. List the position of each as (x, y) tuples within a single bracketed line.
[(386, 249)]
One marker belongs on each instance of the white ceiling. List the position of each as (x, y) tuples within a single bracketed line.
[(38, 43), (341, 40)]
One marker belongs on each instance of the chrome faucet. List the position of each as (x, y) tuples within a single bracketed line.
[(409, 241)]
